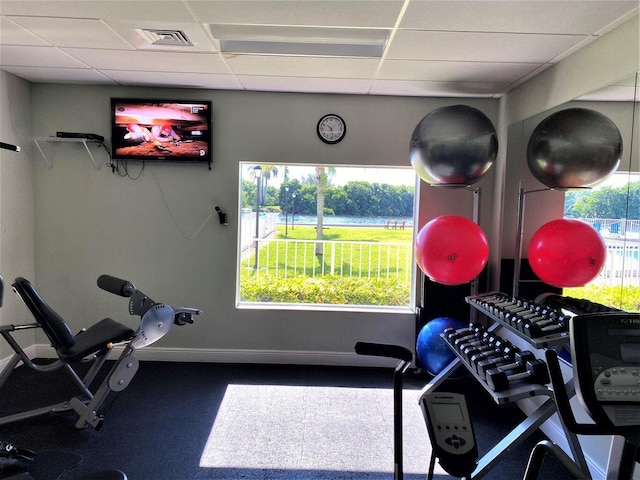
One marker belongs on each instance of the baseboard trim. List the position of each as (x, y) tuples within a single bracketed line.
[(210, 355)]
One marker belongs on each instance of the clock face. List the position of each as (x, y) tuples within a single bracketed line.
[(331, 128)]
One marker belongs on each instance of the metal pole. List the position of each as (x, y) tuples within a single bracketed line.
[(286, 212), (519, 236), (293, 210), (258, 172)]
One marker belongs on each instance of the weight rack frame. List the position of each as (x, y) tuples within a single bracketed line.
[(533, 421)]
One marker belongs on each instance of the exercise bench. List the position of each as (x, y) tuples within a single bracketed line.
[(92, 345)]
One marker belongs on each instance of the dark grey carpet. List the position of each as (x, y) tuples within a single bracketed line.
[(160, 426)]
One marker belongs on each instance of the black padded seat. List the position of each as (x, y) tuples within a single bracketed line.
[(69, 347), (96, 338)]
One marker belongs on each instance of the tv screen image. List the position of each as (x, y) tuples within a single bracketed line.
[(161, 130)]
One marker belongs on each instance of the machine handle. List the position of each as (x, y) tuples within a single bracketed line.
[(117, 286), (384, 350)]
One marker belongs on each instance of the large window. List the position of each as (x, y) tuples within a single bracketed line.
[(318, 235), (612, 208)]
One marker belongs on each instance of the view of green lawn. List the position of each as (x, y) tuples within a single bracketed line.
[(359, 266)]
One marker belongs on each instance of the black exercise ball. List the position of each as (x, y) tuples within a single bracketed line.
[(574, 148), (453, 145)]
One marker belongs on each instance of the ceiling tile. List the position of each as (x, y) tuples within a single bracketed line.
[(454, 71), (196, 34), (551, 16), (13, 34), (37, 56), (306, 85), (175, 79), (436, 89), (59, 75), (478, 47), (165, 10), (302, 66), (73, 32), (345, 13), (151, 61)]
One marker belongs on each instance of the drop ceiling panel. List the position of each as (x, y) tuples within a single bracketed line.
[(151, 61), (37, 56), (175, 79), (455, 71), (60, 75), (13, 34), (305, 85), (435, 89), (303, 66), (479, 47), (554, 16), (435, 47), (165, 10), (343, 13), (73, 32), (130, 30)]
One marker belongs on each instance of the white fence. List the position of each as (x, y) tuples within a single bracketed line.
[(373, 259), (622, 238)]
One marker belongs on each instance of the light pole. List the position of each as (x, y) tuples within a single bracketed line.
[(286, 211), (258, 173), (293, 209)]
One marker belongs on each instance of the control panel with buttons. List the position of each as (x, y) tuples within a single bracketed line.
[(451, 432)]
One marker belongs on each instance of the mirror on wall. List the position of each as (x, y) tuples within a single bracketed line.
[(611, 206)]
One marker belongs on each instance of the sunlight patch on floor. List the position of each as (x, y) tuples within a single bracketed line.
[(315, 428)]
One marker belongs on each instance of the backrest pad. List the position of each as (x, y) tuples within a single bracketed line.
[(52, 324)]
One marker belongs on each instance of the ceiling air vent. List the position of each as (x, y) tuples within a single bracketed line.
[(164, 38)]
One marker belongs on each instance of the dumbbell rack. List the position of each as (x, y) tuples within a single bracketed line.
[(513, 394), (548, 341), (534, 420)]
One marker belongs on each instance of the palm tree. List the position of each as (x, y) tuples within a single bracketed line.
[(322, 179)]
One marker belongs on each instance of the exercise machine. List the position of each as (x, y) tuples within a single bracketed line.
[(21, 464), (605, 352), (451, 433), (405, 358), (91, 346)]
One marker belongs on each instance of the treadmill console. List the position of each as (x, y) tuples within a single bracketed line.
[(605, 348)]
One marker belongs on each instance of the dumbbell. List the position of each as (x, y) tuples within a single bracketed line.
[(535, 330), (496, 349), (535, 371), (462, 337), (478, 340), (507, 356), (452, 333), (488, 344)]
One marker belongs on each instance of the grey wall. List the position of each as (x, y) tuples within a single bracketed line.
[(90, 221), (16, 199)]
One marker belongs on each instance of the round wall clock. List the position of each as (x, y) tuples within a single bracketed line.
[(331, 128)]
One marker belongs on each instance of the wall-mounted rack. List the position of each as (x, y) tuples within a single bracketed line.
[(84, 141)]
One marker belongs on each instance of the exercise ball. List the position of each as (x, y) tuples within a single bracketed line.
[(567, 253), (451, 250), (453, 145), (574, 148), (431, 349)]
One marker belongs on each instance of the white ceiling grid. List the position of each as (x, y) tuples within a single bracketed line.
[(470, 48)]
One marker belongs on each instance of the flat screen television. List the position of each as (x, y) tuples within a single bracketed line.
[(154, 130)]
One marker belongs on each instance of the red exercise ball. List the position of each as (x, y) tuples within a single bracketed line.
[(567, 253), (451, 250)]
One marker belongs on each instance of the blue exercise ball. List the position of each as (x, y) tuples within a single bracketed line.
[(433, 352)]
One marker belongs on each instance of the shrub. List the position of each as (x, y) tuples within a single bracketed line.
[(327, 290)]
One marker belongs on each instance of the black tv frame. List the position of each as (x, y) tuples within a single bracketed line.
[(159, 113)]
